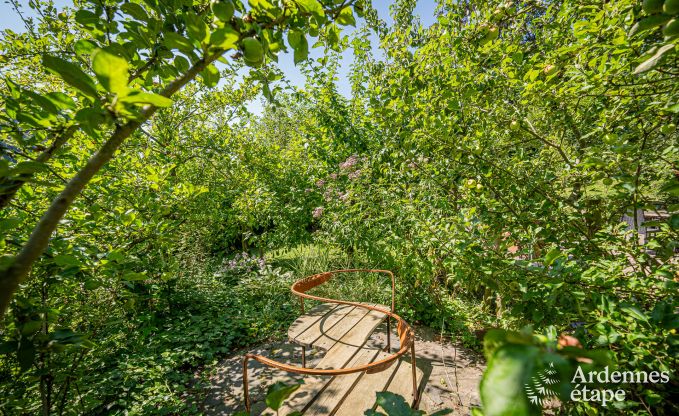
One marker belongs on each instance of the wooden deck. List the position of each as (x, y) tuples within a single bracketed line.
[(344, 332)]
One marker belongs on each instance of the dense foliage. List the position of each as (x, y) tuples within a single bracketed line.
[(487, 159)]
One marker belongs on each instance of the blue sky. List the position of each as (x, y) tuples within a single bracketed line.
[(425, 10)]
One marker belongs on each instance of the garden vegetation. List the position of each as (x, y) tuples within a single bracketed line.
[(150, 225)]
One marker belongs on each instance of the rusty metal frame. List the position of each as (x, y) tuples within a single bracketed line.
[(405, 333)]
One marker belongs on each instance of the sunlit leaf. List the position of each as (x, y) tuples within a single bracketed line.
[(278, 392), (111, 71), (71, 74), (140, 97), (346, 17)]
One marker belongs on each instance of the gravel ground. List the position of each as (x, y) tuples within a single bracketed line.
[(452, 372)]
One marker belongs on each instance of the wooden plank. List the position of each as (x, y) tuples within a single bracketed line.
[(327, 321), (302, 323), (402, 382), (363, 329), (328, 338), (300, 399), (397, 379), (344, 330), (340, 386), (362, 395), (351, 342), (339, 357)]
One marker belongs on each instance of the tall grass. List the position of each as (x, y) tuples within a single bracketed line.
[(306, 260)]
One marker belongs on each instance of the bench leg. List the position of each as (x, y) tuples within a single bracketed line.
[(388, 334), (246, 393), (416, 391), (304, 357)]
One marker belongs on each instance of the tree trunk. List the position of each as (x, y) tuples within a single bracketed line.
[(14, 275)]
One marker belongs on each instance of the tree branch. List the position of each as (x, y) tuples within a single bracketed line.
[(535, 134), (14, 185), (14, 275)]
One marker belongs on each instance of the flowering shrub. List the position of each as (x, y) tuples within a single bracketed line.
[(242, 264)]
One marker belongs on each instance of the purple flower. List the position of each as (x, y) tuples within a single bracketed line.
[(354, 175), (349, 163), (333, 176), (317, 212), (320, 183), (243, 263)]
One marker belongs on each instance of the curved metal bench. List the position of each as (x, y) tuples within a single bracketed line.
[(405, 333)]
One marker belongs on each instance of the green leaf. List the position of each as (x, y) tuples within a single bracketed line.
[(14, 88), (92, 284), (140, 97), (25, 355), (91, 119), (116, 256), (71, 74), (301, 55), (312, 7), (634, 312), (28, 167), (651, 62), (224, 38), (278, 392), (9, 223), (31, 327), (552, 255), (295, 38), (7, 347), (394, 404), (517, 57), (111, 71), (86, 18), (61, 100), (502, 386), (299, 43), (494, 339), (65, 335), (333, 37), (671, 187), (197, 29), (600, 357), (210, 76), (223, 10), (42, 102), (346, 17), (66, 260), (260, 4), (649, 22), (674, 221), (176, 41), (134, 276), (84, 48), (135, 10)]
